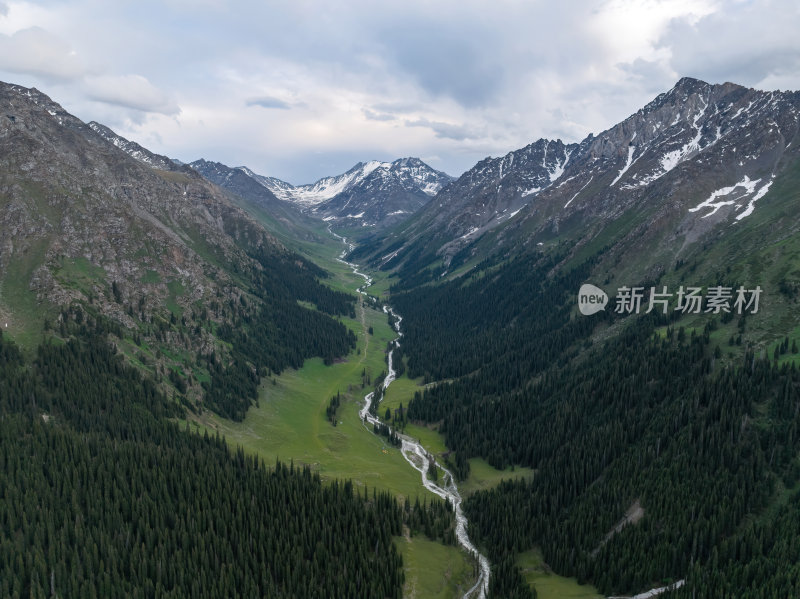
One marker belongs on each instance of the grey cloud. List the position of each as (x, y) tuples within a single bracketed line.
[(3, 9), (377, 116), (269, 102), (130, 91), (448, 130), (445, 60), (745, 43)]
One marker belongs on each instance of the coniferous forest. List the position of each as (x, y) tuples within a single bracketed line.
[(103, 496), (277, 332), (648, 417)]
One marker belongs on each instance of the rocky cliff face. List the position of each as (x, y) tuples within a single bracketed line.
[(134, 150), (81, 220), (284, 218)]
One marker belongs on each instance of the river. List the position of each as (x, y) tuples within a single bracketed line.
[(417, 456)]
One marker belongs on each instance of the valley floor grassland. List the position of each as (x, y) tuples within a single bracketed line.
[(289, 423), (433, 570), (549, 585)]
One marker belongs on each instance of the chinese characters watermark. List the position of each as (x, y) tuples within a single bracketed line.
[(687, 300)]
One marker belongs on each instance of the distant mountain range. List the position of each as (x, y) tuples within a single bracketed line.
[(695, 163), (371, 194)]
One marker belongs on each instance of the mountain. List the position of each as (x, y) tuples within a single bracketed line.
[(369, 194), (380, 193), (136, 151), (488, 194), (73, 199), (283, 218), (164, 256), (135, 296), (695, 161), (662, 433)]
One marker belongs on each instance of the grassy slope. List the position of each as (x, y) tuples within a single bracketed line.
[(433, 570), (22, 314), (549, 585), (290, 423), (751, 256)]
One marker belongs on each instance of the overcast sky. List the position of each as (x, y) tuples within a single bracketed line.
[(300, 90)]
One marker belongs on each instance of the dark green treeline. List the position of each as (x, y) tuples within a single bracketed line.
[(651, 415), (100, 496)]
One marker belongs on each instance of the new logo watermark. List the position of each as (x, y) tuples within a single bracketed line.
[(591, 299), (688, 300)]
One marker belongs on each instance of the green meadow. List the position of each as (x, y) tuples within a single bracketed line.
[(433, 570), (289, 423), (549, 585)]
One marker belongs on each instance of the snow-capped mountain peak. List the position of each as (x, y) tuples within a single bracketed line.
[(701, 154), (373, 192)]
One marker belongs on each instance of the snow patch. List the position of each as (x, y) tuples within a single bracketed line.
[(579, 191), (713, 202), (470, 232), (567, 180), (531, 191), (630, 161), (388, 257), (751, 205), (741, 110), (558, 170)]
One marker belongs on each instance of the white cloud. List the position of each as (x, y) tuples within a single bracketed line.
[(38, 52), (129, 91), (751, 43), (334, 82)]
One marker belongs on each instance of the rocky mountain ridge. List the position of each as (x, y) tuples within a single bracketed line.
[(83, 221), (370, 194), (697, 157)]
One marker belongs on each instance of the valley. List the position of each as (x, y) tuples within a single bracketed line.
[(288, 423), (406, 346)]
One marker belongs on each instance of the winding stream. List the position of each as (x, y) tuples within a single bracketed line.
[(416, 455)]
